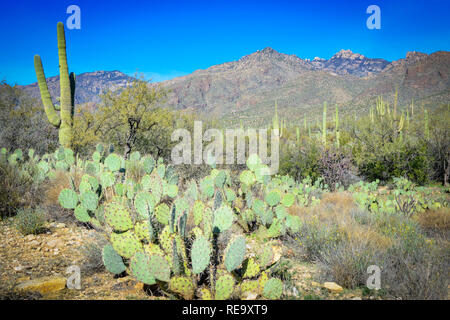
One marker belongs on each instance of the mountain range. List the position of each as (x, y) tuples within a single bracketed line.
[(247, 89)]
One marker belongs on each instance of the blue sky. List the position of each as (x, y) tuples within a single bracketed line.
[(165, 39)]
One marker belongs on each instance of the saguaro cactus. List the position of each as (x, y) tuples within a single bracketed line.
[(324, 124), (336, 127), (64, 120)]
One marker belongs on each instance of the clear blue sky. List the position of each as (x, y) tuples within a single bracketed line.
[(165, 38)]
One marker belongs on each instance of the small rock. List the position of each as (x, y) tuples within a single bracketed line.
[(34, 243), (249, 296), (43, 285), (61, 225), (19, 268), (30, 237), (333, 287), (357, 298), (54, 243)]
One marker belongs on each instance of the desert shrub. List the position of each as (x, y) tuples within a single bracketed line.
[(300, 162), (335, 168), (23, 123), (314, 237), (415, 272), (17, 189), (30, 221), (346, 263), (435, 221), (438, 144), (91, 251), (381, 150)]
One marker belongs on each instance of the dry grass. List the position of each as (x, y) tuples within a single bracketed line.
[(60, 181), (438, 220)]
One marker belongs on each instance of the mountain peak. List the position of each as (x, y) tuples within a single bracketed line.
[(347, 54)]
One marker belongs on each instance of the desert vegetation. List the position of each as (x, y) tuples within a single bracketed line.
[(352, 192)]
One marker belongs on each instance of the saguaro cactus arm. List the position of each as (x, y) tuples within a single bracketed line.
[(50, 111)]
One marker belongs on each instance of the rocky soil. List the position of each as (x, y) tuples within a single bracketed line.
[(35, 267)]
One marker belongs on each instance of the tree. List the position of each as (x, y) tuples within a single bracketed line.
[(126, 115)]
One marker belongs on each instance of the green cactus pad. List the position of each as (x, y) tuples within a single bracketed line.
[(171, 190), (68, 198), (266, 258), (144, 203), (112, 260), (276, 229), (84, 186), (218, 198), (249, 216), (126, 244), (266, 217), (165, 239), (208, 222), (253, 162), (219, 179), (192, 190), (259, 207), (247, 177), (251, 268), (159, 268), (280, 212), (273, 289), (200, 254), (182, 286), (273, 198), (140, 268), (161, 170), (262, 174), (89, 200), (156, 187), (118, 216), (107, 179), (143, 230), (92, 167), (293, 223), (230, 194), (224, 287), (198, 210), (207, 186), (288, 200), (223, 218), (162, 213), (234, 253), (96, 157), (250, 286), (113, 162), (148, 163), (81, 214), (135, 156), (119, 188)]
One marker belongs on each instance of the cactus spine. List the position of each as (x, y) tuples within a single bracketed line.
[(63, 121)]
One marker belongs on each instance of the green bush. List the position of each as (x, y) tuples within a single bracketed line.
[(300, 162), (30, 221)]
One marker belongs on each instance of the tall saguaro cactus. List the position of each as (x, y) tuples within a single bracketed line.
[(64, 120), (324, 124)]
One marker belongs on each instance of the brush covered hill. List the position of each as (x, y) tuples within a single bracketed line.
[(247, 89)]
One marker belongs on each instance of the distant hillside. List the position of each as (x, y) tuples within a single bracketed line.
[(246, 89), (89, 85)]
